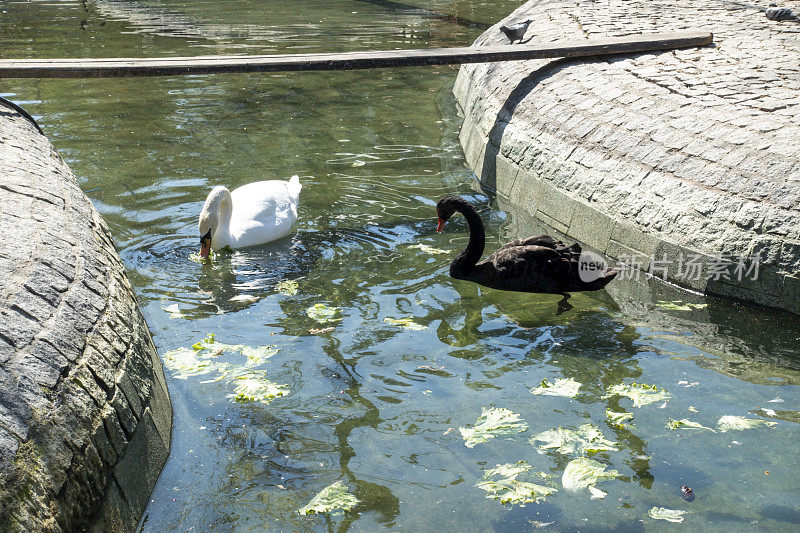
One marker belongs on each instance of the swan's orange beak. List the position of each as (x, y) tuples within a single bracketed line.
[(205, 247), (440, 226)]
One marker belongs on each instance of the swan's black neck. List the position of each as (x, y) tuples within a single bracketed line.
[(465, 262)]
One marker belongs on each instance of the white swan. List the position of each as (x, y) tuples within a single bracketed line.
[(253, 214)]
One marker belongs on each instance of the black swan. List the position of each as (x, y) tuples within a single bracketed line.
[(535, 264)]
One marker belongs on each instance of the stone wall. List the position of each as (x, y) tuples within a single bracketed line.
[(85, 418), (653, 158)]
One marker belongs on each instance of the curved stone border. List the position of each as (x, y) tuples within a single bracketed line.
[(657, 158), (85, 418)]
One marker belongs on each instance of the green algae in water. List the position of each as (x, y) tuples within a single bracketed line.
[(501, 484), (583, 472), (641, 394), (586, 439), (333, 499), (493, 422), (323, 313), (562, 387)]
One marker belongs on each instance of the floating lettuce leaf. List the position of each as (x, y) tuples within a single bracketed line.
[(288, 287), (243, 299), (195, 257), (323, 313), (253, 386), (587, 439), (641, 394), (738, 423), (185, 363), (596, 493), (257, 356), (429, 249), (174, 311), (501, 483), (670, 515), (508, 470), (492, 423), (406, 322), (679, 305), (619, 418), (562, 387), (686, 424), (332, 499), (583, 472), (249, 385)]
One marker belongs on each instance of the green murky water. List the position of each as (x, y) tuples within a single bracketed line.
[(374, 398)]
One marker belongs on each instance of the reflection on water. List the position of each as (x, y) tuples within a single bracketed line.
[(378, 393)]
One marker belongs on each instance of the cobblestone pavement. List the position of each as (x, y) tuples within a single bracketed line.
[(658, 155), (85, 419)]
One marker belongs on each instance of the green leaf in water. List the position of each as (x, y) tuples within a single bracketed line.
[(195, 257), (288, 287), (619, 418), (670, 515), (185, 363), (210, 344), (685, 423), (253, 386), (332, 499), (597, 494), (641, 394), (429, 249), (583, 472), (257, 356), (407, 322), (492, 423), (679, 305), (243, 299), (561, 387), (323, 313), (587, 439), (738, 423), (501, 483)]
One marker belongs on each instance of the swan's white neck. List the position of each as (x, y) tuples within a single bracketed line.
[(218, 208)]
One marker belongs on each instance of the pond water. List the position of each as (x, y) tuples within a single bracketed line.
[(375, 395)]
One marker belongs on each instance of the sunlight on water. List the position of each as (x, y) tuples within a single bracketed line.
[(382, 356)]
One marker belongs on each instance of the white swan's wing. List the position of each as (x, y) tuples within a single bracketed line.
[(263, 211)]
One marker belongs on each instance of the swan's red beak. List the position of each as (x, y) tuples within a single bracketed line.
[(205, 247), (440, 226)]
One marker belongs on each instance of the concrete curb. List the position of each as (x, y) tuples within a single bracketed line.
[(657, 158), (85, 416)]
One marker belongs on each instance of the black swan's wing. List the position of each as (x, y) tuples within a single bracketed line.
[(545, 241), (536, 268), (540, 240), (528, 268)]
